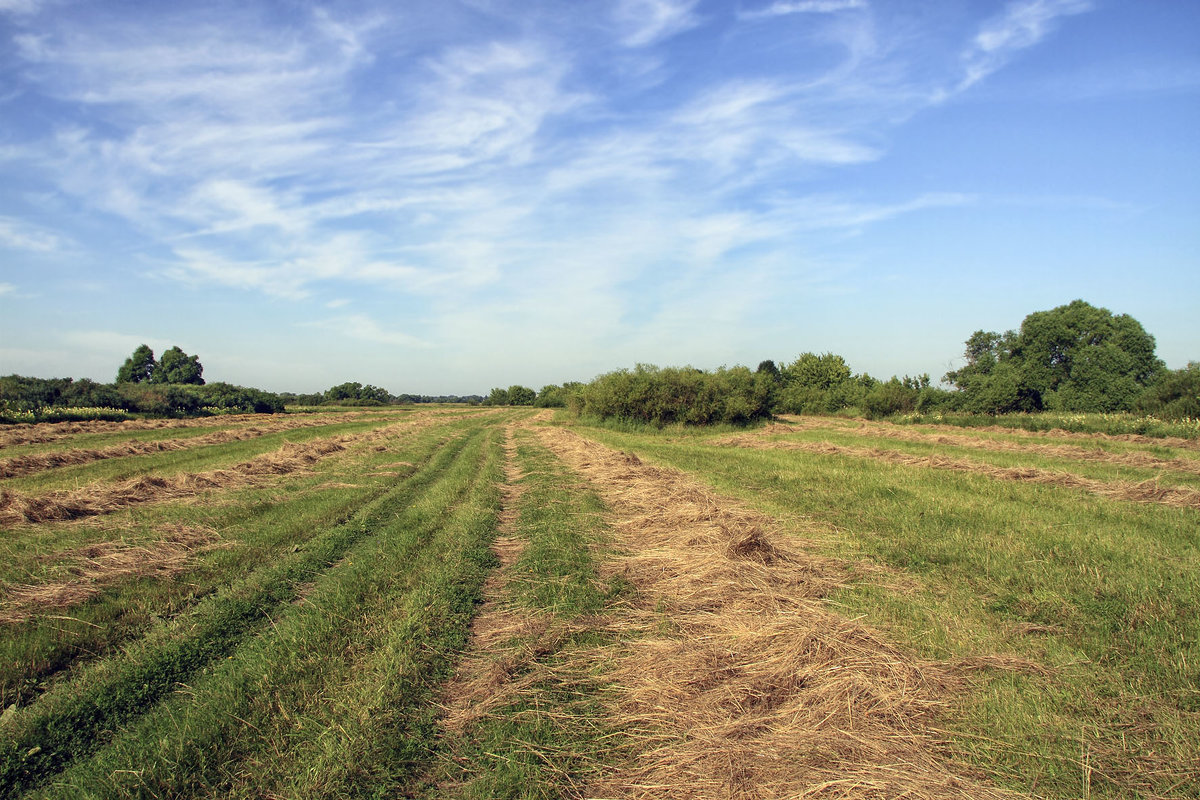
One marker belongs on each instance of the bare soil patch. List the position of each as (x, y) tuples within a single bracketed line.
[(742, 683), (1141, 492)]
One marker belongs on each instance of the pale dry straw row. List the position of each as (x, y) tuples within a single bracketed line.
[(741, 682), (37, 462), (44, 432), (95, 566), (105, 498), (1150, 491), (1094, 453), (798, 421)]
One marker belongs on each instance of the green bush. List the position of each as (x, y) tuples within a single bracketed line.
[(677, 395), (1175, 396)]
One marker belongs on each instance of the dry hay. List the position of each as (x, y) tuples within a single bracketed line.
[(44, 432), (755, 689), (1077, 452), (93, 567), (1150, 491), (103, 498), (37, 462), (1055, 433)]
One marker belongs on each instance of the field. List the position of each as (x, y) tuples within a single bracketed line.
[(452, 602)]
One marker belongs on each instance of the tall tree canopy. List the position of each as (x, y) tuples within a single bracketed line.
[(1072, 358), (176, 366), (139, 367)]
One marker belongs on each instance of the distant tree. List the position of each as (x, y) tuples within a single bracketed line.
[(813, 384), (521, 396), (139, 367), (1074, 357), (768, 368), (813, 371), (177, 367), (497, 397)]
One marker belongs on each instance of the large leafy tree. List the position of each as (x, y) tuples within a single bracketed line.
[(1076, 357), (139, 367), (176, 366)]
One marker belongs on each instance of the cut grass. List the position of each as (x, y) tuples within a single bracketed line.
[(261, 525), (526, 715), (1103, 593)]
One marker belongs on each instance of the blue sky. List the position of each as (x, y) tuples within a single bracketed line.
[(442, 197)]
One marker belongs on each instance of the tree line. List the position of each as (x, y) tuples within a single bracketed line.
[(1073, 358)]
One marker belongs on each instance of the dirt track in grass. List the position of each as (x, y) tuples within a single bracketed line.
[(1139, 492), (741, 682)]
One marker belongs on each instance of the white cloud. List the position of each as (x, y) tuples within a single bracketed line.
[(20, 235), (646, 22), (1023, 24), (22, 6), (784, 8), (7, 288)]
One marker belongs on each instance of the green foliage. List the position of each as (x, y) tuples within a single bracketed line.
[(139, 367), (814, 371), (1175, 396), (176, 366), (665, 396), (497, 397), (354, 393), (554, 396), (521, 395), (1074, 357)]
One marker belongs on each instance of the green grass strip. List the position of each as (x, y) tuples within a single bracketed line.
[(55, 736), (553, 736)]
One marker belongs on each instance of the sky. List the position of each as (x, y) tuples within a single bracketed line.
[(442, 197)]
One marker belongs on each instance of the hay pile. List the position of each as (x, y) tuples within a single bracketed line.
[(1142, 492), (743, 684), (95, 566), (103, 498), (1077, 452)]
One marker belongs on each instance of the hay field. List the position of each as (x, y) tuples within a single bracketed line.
[(452, 602)]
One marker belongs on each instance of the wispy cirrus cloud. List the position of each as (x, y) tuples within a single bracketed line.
[(784, 8), (20, 235), (647, 22), (1021, 25)]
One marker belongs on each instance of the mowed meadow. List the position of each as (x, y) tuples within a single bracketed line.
[(512, 603)]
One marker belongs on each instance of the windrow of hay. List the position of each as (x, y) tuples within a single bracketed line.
[(742, 683), (93, 567), (103, 498), (37, 462), (887, 431), (1056, 433), (42, 433), (1140, 492)]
